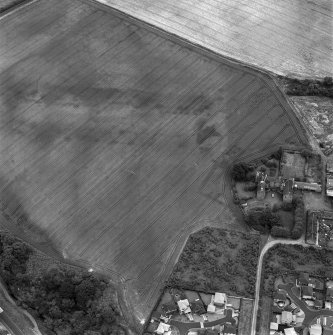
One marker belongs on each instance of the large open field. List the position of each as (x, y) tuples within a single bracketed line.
[(117, 143), (286, 37)]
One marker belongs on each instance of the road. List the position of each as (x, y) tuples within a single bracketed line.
[(267, 246), (184, 327)]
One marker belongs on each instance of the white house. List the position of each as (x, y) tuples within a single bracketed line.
[(220, 299), (184, 306), (162, 328)]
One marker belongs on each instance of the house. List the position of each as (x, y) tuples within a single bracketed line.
[(327, 331), (329, 294), (273, 326), (184, 306), (329, 186), (290, 331), (307, 292), (198, 307), (229, 329), (303, 279), (162, 328), (288, 191), (211, 308), (220, 299), (329, 284), (328, 305), (319, 285), (329, 166), (286, 317), (169, 308), (315, 329), (318, 304)]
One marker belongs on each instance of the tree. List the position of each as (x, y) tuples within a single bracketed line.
[(240, 170)]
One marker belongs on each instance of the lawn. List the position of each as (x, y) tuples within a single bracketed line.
[(218, 260), (116, 142), (245, 317)]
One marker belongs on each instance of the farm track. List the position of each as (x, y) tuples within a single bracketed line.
[(117, 179)]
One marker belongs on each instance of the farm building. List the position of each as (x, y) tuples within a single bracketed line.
[(261, 192), (220, 299), (288, 191), (308, 186)]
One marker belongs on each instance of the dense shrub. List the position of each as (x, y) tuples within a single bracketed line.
[(64, 300), (299, 219), (240, 171), (310, 87)]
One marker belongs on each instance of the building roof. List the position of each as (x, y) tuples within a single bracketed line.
[(308, 186), (279, 296), (229, 329), (162, 328), (290, 331), (198, 307), (274, 326), (303, 278), (307, 291), (327, 331), (318, 303), (329, 284), (169, 307), (211, 308), (286, 317), (329, 294), (315, 329), (184, 306), (329, 166), (220, 298), (288, 187)]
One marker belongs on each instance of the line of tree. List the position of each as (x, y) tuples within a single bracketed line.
[(66, 300), (310, 87), (299, 218)]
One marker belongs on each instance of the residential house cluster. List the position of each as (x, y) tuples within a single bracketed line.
[(286, 315), (316, 293), (182, 306)]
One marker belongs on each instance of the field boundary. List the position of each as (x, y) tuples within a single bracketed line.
[(16, 7)]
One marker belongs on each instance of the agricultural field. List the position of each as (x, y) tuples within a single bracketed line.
[(285, 37), (116, 143), (216, 260)]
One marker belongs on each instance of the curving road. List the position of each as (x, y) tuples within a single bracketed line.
[(267, 246)]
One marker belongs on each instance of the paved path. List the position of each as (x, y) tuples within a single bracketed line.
[(309, 314), (184, 327), (267, 246)]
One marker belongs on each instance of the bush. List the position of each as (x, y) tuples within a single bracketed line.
[(240, 170)]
